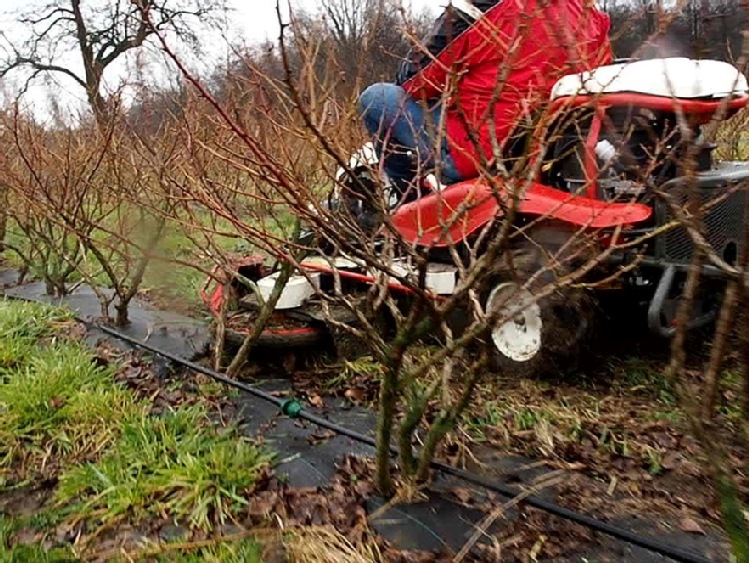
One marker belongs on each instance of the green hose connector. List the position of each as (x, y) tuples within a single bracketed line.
[(291, 408)]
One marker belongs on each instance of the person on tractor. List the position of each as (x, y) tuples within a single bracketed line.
[(484, 69)]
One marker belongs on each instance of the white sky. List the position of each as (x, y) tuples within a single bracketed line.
[(251, 21), (258, 20)]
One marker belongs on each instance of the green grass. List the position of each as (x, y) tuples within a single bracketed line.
[(246, 551), (22, 325), (54, 399), (31, 553), (63, 416), (58, 403), (644, 377), (176, 464), (540, 418)]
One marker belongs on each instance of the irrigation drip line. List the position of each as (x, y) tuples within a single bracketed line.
[(667, 550), (672, 552)]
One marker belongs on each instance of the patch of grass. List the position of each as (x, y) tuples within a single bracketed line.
[(366, 366), (731, 378), (645, 377), (555, 419), (22, 326), (246, 551), (615, 441), (211, 389), (63, 414), (489, 414), (54, 400), (27, 553), (60, 403), (668, 416), (654, 461), (729, 401), (176, 464), (351, 372), (528, 418), (21, 319)]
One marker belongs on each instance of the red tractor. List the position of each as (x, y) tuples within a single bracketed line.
[(612, 163)]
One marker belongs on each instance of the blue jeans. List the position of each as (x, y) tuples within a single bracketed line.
[(401, 125)]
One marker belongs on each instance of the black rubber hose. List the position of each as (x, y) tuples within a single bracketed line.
[(667, 550)]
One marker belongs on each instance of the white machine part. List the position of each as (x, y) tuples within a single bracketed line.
[(440, 279), (519, 337), (364, 157), (670, 77), (296, 293)]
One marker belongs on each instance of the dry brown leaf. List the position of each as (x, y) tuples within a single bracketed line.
[(355, 395), (320, 437), (690, 526)]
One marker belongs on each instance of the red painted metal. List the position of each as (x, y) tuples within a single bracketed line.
[(215, 298), (450, 216), (701, 110)]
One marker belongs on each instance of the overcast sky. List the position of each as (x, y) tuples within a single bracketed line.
[(251, 21), (257, 18)]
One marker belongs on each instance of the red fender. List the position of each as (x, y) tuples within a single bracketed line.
[(449, 216)]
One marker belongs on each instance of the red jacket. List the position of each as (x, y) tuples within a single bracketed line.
[(535, 42)]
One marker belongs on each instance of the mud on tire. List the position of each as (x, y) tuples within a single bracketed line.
[(549, 335)]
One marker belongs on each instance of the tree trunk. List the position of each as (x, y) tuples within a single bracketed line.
[(388, 398), (717, 354), (101, 108), (122, 319), (4, 201)]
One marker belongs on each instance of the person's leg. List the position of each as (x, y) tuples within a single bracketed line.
[(400, 128)]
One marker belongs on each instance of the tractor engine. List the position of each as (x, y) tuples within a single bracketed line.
[(636, 151)]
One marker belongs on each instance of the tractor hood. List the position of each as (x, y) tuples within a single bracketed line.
[(670, 78)]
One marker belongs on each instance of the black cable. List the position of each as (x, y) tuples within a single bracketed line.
[(233, 383), (662, 548), (667, 550)]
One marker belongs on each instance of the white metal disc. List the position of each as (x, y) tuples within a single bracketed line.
[(518, 337)]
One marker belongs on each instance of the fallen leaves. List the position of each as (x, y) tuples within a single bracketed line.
[(320, 437), (316, 401), (690, 526)]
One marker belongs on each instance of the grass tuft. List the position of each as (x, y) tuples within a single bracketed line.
[(220, 550), (176, 464), (55, 402), (64, 417), (22, 326), (325, 544), (247, 551), (26, 553)]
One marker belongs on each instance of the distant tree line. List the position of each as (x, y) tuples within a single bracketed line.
[(363, 41), (700, 28)]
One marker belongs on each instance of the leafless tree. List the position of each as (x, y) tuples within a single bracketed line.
[(100, 33)]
